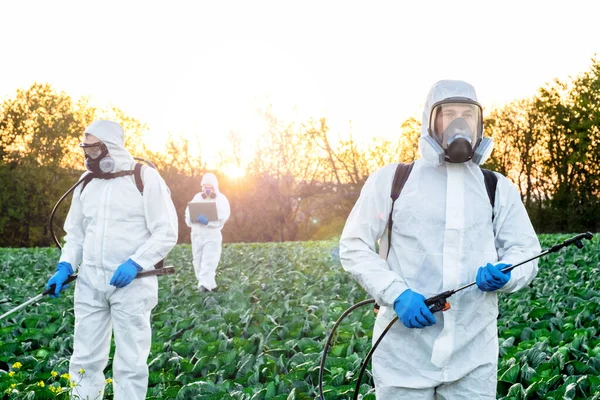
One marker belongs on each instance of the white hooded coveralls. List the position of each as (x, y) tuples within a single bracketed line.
[(442, 234), (207, 239), (109, 222)]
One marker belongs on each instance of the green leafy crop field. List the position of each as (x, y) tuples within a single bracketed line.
[(260, 336)]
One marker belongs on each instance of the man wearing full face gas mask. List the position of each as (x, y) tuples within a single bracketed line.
[(445, 234), (206, 235), (113, 231)]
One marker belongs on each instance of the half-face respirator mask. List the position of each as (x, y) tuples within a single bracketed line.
[(208, 193), (97, 159)]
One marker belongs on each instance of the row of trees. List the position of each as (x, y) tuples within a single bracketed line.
[(548, 146), (301, 184)]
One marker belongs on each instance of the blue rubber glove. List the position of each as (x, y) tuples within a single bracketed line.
[(202, 219), (490, 277), (412, 311), (125, 273), (63, 270)]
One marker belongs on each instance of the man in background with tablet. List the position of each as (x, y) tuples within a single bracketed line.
[(206, 230)]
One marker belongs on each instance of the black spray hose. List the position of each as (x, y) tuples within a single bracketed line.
[(330, 338), (56, 206), (441, 299), (363, 367), (435, 303), (150, 163)]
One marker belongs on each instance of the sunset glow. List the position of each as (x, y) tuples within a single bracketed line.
[(208, 71)]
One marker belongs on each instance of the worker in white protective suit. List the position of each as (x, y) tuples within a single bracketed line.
[(113, 231), (443, 237), (206, 235)]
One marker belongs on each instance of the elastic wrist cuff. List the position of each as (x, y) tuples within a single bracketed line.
[(64, 266), (138, 266)]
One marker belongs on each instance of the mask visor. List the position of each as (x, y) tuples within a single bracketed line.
[(452, 118), (93, 150)]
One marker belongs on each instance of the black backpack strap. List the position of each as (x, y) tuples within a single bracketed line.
[(139, 182), (136, 172), (88, 178), (138, 177), (491, 181), (400, 177)]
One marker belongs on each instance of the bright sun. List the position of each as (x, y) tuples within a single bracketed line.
[(224, 90), (233, 171)]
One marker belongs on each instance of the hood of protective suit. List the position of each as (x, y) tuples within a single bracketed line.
[(210, 179), (112, 135), (440, 91), (444, 90)]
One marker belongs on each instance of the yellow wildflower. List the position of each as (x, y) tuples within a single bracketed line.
[(17, 365), (81, 371), (109, 381), (54, 374), (11, 373), (65, 376), (41, 384)]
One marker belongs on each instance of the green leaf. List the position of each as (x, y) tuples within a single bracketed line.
[(292, 395), (517, 391), (511, 374)]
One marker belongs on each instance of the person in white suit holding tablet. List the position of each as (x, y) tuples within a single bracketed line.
[(206, 232)]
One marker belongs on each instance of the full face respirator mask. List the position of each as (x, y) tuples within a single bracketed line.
[(456, 131)]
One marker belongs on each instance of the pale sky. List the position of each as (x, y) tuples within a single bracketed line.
[(204, 67)]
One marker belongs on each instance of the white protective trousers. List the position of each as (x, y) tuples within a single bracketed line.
[(206, 247), (99, 310), (479, 384)]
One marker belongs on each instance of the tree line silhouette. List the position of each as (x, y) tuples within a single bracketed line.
[(300, 183)]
